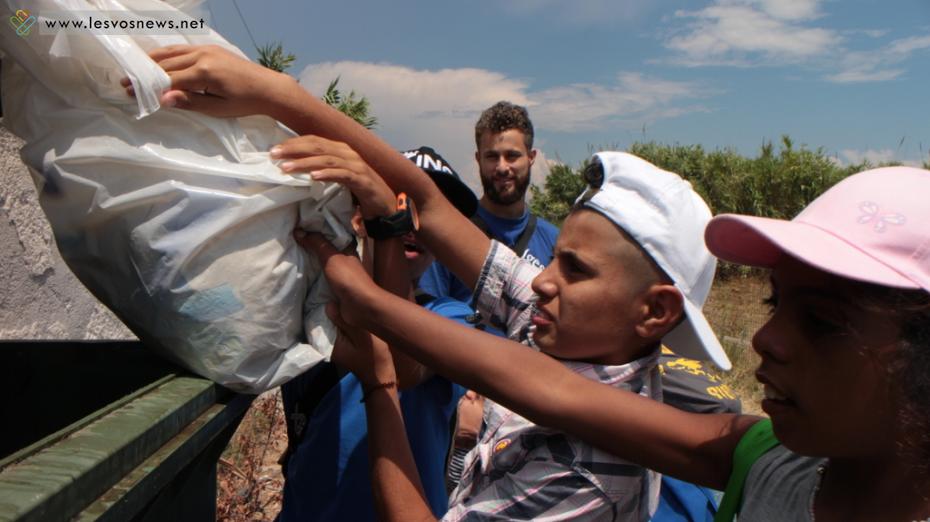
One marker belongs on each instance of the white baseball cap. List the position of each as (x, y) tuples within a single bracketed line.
[(664, 214)]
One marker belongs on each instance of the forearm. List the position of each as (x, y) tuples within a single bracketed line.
[(693, 447), (391, 274), (395, 481), (455, 241)]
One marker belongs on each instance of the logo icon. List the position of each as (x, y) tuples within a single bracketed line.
[(22, 21), (872, 213), (501, 446)]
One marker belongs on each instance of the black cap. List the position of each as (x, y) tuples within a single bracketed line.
[(448, 181)]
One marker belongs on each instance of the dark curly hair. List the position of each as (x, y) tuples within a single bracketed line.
[(909, 370), (503, 116)]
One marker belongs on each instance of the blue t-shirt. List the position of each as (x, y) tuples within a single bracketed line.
[(328, 474), (439, 281)]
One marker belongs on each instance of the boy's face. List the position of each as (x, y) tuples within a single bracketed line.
[(418, 257), (591, 296)]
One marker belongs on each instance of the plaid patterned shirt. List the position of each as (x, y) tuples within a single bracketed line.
[(521, 471)]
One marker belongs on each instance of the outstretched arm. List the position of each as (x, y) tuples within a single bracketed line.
[(214, 81), (395, 482), (694, 447)]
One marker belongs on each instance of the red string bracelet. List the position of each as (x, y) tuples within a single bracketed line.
[(389, 384)]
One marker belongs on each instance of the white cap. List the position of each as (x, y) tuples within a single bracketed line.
[(664, 214)]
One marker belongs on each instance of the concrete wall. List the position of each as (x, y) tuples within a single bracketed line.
[(39, 296)]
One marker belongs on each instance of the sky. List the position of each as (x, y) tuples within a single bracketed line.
[(850, 77)]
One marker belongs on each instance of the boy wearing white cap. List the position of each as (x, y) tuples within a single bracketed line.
[(630, 270)]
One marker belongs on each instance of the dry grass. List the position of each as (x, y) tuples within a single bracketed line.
[(249, 481), (736, 312)]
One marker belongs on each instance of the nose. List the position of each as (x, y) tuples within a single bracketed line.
[(544, 284), (769, 342), (503, 166)]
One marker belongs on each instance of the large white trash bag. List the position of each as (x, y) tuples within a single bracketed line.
[(179, 222)]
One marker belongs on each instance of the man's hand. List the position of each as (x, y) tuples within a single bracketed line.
[(328, 160), (214, 81)]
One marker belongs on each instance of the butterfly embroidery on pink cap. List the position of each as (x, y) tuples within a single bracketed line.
[(871, 213)]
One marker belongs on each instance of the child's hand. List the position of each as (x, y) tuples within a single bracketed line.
[(214, 81), (350, 283), (360, 352), (328, 160)]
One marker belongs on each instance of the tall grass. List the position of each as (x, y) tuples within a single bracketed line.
[(776, 183), (736, 312)]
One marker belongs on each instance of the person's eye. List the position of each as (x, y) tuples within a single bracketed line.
[(771, 302), (575, 269), (820, 324)]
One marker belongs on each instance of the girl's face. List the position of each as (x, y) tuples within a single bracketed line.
[(590, 295), (824, 366)]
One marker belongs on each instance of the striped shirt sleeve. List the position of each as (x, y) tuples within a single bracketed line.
[(503, 295)]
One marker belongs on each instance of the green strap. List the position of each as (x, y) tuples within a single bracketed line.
[(755, 442)]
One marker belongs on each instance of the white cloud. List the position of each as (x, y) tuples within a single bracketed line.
[(439, 108), (750, 33), (747, 32), (906, 46), (584, 107), (873, 156), (790, 9), (881, 64), (420, 107), (861, 74), (875, 33)]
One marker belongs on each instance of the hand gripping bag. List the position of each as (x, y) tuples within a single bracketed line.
[(178, 222)]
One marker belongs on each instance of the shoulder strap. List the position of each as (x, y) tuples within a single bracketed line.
[(423, 297), (480, 223), (757, 441), (524, 240), (520, 246)]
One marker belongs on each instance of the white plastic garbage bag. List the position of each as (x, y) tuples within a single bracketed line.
[(177, 221)]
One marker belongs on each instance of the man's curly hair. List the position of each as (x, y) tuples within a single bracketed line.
[(503, 116)]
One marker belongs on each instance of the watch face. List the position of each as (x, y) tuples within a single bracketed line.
[(405, 204), (403, 221)]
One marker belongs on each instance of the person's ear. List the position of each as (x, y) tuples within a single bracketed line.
[(532, 156), (477, 158), (663, 308), (358, 224)]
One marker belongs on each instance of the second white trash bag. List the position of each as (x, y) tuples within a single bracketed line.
[(179, 222)]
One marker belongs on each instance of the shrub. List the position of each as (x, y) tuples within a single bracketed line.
[(776, 183)]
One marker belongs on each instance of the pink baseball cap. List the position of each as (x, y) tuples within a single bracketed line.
[(873, 227)]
